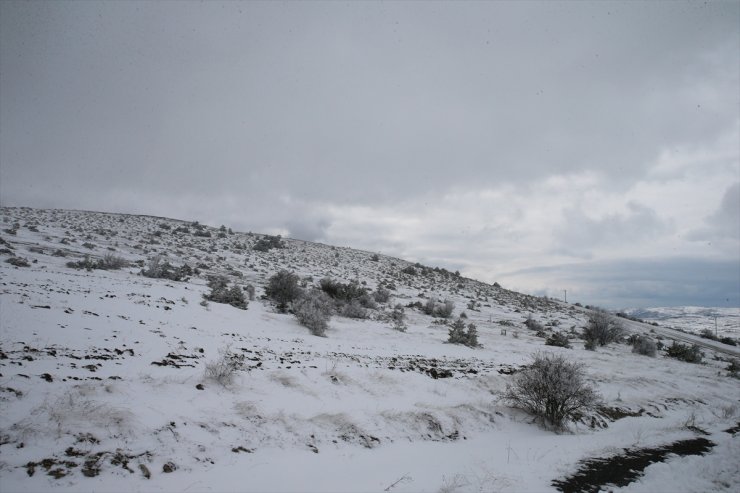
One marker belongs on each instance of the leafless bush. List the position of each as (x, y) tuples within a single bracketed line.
[(533, 324), (381, 295), (644, 345), (552, 388), (353, 309), (224, 368), (314, 310), (112, 262), (436, 309), (602, 329)]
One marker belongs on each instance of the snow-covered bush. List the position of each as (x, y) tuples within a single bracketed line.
[(558, 339), (314, 310), (112, 262), (382, 295), (268, 242), (533, 324), (283, 289), (159, 268), (18, 261), (602, 329), (437, 309), (353, 309), (552, 388), (223, 369), (733, 369), (250, 292), (690, 354), (644, 345)]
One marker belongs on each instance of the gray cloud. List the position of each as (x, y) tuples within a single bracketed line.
[(724, 223), (277, 117), (643, 283), (581, 234)]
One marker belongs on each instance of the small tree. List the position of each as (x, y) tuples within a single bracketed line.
[(283, 289), (602, 329), (458, 334), (552, 388), (314, 310)]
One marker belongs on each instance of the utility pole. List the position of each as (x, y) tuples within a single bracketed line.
[(565, 295), (715, 326)]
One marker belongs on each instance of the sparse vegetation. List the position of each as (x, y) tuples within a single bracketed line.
[(314, 310), (553, 389), (683, 352)]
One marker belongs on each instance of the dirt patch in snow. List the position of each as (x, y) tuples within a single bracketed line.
[(621, 470)]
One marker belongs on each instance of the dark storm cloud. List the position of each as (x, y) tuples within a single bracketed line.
[(363, 102)]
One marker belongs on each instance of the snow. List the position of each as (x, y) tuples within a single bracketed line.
[(355, 411)]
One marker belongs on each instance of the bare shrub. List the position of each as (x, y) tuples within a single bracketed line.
[(159, 268), (602, 329), (353, 309), (398, 318), (112, 262), (533, 324), (250, 292), (558, 339), (552, 388), (224, 368), (18, 261), (382, 295), (314, 310), (283, 289), (644, 345), (436, 309)]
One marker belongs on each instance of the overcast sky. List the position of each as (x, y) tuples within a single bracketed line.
[(587, 146)]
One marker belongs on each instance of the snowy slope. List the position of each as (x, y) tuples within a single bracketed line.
[(726, 321), (103, 383)]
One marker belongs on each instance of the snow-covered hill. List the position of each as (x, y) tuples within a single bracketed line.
[(104, 383), (694, 319)]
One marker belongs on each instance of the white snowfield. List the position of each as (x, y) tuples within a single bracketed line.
[(103, 382)]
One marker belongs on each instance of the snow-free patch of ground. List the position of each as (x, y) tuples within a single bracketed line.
[(103, 380)]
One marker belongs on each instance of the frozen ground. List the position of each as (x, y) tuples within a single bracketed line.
[(103, 384)]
